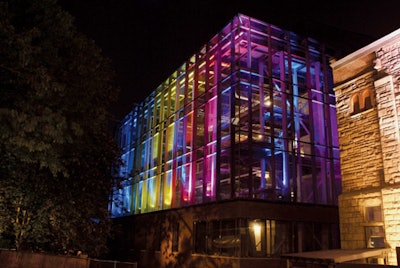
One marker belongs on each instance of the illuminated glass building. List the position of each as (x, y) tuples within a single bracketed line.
[(235, 154)]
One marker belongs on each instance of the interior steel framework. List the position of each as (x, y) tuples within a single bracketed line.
[(250, 116)]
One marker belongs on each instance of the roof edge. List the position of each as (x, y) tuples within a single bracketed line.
[(387, 39)]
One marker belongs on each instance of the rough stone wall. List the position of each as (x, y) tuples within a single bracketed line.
[(388, 103), (352, 217), (391, 209), (359, 139), (389, 56), (388, 99)]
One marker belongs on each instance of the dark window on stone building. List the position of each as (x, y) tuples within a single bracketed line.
[(362, 101), (368, 103), (373, 214), (355, 105), (375, 236), (374, 233), (368, 98)]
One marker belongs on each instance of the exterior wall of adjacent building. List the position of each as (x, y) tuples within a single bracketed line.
[(366, 85), (250, 117)]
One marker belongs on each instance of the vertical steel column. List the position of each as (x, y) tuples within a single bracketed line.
[(250, 181), (139, 136), (194, 125), (327, 82), (292, 95), (285, 151), (217, 77), (205, 122), (297, 150), (173, 118), (263, 162), (271, 93), (322, 133), (184, 149), (310, 109), (233, 156)]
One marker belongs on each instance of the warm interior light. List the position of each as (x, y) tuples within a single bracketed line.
[(257, 235), (225, 64)]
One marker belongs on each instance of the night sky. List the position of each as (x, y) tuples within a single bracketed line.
[(148, 39)]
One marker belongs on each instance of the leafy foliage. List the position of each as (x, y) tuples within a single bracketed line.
[(56, 149)]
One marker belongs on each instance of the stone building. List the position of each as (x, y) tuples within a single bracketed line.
[(367, 90)]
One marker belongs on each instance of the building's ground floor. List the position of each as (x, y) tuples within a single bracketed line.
[(236, 233), (371, 219)]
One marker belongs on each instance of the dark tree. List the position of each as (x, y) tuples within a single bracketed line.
[(56, 149)]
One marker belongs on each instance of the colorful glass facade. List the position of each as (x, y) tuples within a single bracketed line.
[(250, 116)]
